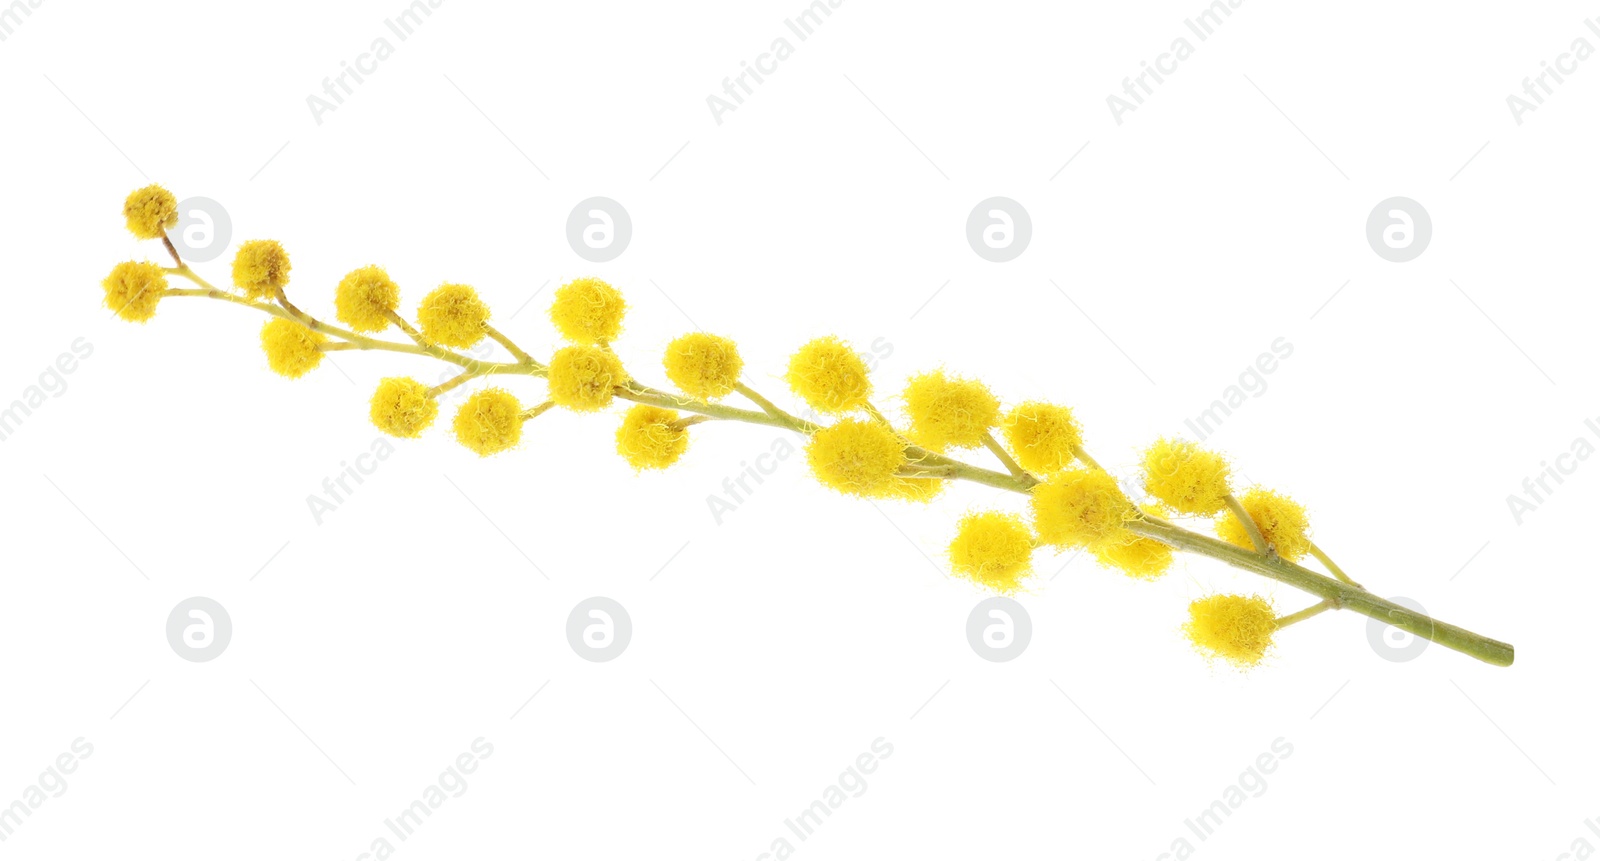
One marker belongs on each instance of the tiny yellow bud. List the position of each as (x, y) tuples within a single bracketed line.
[(1141, 558), (401, 407), (1236, 628), (858, 457), (588, 311), (703, 366), (1185, 477), (829, 376), (260, 268), (1282, 521), (949, 411), (365, 298), (1044, 437), (993, 549), (453, 316), (489, 422), (648, 438), (1081, 508), (292, 349), (151, 211), (584, 378), (133, 289)]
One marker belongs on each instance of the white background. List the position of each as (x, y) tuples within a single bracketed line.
[(769, 651)]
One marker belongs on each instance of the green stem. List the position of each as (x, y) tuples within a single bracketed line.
[(1331, 566), (1344, 595), (993, 445), (1249, 523), (1302, 615)]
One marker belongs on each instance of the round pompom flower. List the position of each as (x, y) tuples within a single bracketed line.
[(292, 349), (993, 549), (1236, 628), (260, 268), (1081, 508), (453, 316), (703, 366), (856, 457), (1282, 521), (949, 411), (489, 422), (365, 299), (584, 378), (829, 376), (1185, 477), (1044, 437), (649, 439), (1141, 558), (401, 407), (588, 311), (151, 211), (133, 289)]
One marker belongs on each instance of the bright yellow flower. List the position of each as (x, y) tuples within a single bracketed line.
[(489, 422), (949, 412), (993, 549), (584, 378), (588, 311), (133, 289), (1236, 628), (1185, 477), (1282, 521), (401, 407), (703, 366), (1043, 437), (1081, 508), (860, 458), (829, 376), (453, 316), (648, 439), (365, 298), (292, 349), (261, 268), (151, 211)]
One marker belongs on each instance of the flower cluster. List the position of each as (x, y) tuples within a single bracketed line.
[(1072, 503)]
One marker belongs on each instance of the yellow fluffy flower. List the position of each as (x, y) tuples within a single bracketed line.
[(829, 376), (453, 316), (1282, 521), (133, 289), (291, 348), (401, 407), (1185, 477), (151, 211), (1044, 437), (588, 311), (948, 411), (703, 366), (1081, 508), (489, 422), (261, 268), (1141, 558), (1236, 628), (365, 297), (993, 549), (648, 438), (583, 378), (860, 458)]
